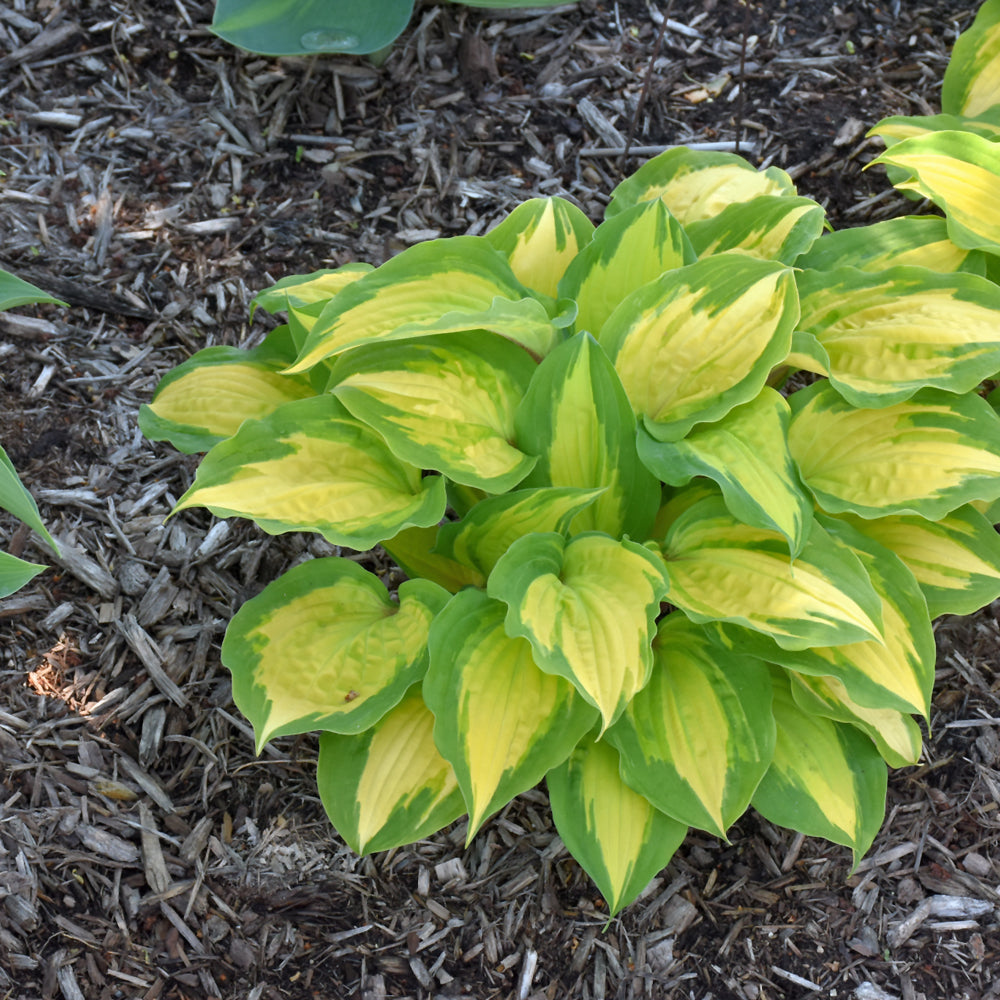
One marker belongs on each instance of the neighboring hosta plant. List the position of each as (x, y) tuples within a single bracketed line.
[(15, 572), (675, 516), (310, 27)]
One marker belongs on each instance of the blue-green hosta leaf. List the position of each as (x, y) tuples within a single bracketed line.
[(972, 79), (442, 286), (445, 403), (723, 570), (746, 453), (298, 290), (890, 333), (620, 840), (308, 27), (539, 239), (697, 739), (356, 650), (626, 252), (918, 240), (388, 786), (895, 734), (588, 606), (414, 550), (15, 499), (576, 417), (489, 529), (927, 456), (697, 185), (206, 399), (702, 339), (15, 573), (770, 227), (893, 670), (960, 173), (956, 560), (499, 720), (311, 466), (826, 780)]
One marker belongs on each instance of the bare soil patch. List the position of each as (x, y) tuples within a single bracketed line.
[(156, 179)]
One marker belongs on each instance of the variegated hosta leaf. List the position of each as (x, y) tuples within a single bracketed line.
[(627, 251), (972, 79), (826, 779), (324, 647), (206, 399), (697, 739), (888, 334), (620, 840), (441, 286), (576, 417), (920, 240), (956, 559), (500, 721), (490, 528), (746, 453), (445, 403), (697, 185), (388, 786), (960, 173), (896, 128), (15, 573), (588, 606), (539, 239), (700, 340), (723, 570), (310, 466), (299, 290), (926, 456), (896, 735), (414, 550), (894, 670), (770, 227)]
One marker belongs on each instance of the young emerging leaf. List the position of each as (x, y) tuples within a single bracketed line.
[(920, 240), (620, 840), (890, 333), (490, 528), (746, 453), (15, 499), (826, 779), (626, 252), (445, 403), (15, 291), (588, 607), (442, 286), (895, 734), (500, 721), (956, 560), (697, 185), (15, 573), (700, 340), (927, 456), (972, 78), (576, 417), (960, 173), (723, 570), (769, 227), (539, 239), (310, 466), (388, 786), (363, 650), (298, 290), (697, 739)]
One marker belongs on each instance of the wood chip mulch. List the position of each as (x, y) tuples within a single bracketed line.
[(155, 179)]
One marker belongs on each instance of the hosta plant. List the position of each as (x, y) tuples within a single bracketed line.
[(309, 27), (674, 516), (14, 498)]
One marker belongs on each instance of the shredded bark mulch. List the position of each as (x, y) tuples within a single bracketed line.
[(155, 179)]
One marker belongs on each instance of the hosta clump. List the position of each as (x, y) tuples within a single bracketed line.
[(675, 517)]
